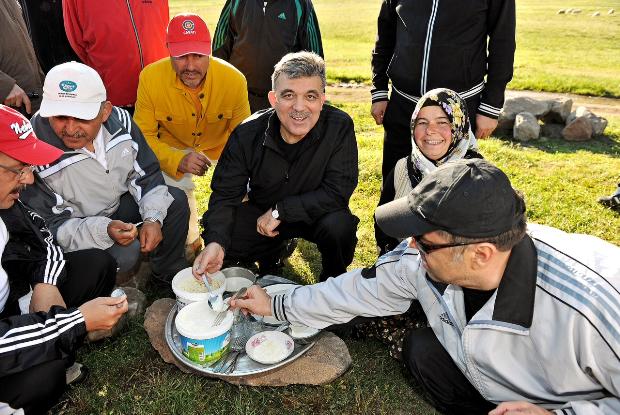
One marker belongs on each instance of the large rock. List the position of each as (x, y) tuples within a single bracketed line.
[(514, 106), (559, 111), (140, 277), (598, 123), (136, 300), (154, 324), (327, 360), (526, 127), (579, 129), (97, 335), (551, 130)]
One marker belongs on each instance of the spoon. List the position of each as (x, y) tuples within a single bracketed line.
[(215, 300)]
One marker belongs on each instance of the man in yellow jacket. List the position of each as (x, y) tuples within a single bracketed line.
[(187, 106)]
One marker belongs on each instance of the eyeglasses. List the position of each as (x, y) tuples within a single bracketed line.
[(426, 248), (20, 172)]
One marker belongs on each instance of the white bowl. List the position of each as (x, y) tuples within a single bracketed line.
[(269, 347), (185, 287)]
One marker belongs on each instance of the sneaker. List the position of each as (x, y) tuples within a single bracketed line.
[(612, 202), (76, 374)]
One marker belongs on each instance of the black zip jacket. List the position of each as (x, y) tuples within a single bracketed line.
[(320, 180), (254, 38), (31, 242), (428, 44)]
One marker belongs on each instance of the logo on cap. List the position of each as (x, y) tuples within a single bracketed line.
[(22, 131), (67, 86), (188, 26)]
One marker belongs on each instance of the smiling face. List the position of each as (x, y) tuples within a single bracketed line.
[(191, 69), (11, 183), (76, 133), (432, 132), (298, 103)]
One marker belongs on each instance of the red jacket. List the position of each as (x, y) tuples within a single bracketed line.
[(117, 38)]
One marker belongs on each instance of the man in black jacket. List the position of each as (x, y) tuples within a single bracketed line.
[(421, 45), (297, 164), (36, 348), (253, 35)]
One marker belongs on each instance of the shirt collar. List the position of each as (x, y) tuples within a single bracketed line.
[(514, 302)]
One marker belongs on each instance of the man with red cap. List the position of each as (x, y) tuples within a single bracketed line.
[(36, 348), (188, 104)]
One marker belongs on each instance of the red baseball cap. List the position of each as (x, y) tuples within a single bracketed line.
[(17, 140), (188, 33)]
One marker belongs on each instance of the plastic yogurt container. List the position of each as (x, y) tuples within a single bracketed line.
[(201, 342), (188, 289)]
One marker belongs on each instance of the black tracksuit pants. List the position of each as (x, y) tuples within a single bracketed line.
[(334, 234), (397, 128), (91, 273), (444, 385)]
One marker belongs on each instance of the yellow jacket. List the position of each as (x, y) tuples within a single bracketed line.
[(166, 115)]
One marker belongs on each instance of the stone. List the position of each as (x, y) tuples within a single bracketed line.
[(561, 11), (97, 335), (598, 123), (526, 127), (611, 11), (579, 129), (597, 13), (559, 111), (551, 130), (154, 324), (327, 360), (576, 11), (136, 300), (141, 277), (514, 106)]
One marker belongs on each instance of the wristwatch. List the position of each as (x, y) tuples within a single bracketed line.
[(274, 212), (152, 219)]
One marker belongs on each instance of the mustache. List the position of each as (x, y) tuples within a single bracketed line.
[(18, 188), (190, 72), (78, 134), (300, 114)]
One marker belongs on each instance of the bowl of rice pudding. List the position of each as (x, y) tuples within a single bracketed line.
[(188, 289)]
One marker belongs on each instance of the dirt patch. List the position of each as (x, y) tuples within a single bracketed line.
[(598, 105)]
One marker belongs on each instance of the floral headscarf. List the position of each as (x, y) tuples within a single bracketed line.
[(462, 140)]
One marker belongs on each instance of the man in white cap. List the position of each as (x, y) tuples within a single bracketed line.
[(187, 106), (522, 320), (108, 180), (36, 348)]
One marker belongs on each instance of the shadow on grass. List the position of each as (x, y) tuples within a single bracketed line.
[(607, 145)]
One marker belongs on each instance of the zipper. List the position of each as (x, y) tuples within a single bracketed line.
[(135, 31), (427, 46)]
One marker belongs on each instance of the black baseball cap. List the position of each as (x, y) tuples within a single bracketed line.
[(470, 198)]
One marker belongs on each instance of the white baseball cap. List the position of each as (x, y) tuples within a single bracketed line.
[(72, 89)]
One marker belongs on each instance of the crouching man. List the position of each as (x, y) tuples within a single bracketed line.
[(521, 321), (297, 164), (37, 348), (107, 180)]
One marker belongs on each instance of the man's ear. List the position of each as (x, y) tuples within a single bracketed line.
[(481, 254), (106, 111), (271, 96)]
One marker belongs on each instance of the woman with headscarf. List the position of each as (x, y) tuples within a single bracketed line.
[(440, 132)]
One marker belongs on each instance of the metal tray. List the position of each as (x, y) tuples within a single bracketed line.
[(245, 366)]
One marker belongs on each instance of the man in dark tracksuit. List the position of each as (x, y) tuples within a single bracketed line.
[(429, 44), (254, 34), (299, 161), (36, 348)]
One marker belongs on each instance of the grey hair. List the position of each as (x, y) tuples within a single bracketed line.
[(299, 65)]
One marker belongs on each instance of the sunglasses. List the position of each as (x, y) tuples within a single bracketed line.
[(425, 248), (20, 172)]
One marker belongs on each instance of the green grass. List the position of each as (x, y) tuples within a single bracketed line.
[(561, 182), (556, 53)]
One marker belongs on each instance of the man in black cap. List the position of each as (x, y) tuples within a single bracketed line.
[(521, 320)]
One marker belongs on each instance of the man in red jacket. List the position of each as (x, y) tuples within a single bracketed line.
[(118, 38)]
